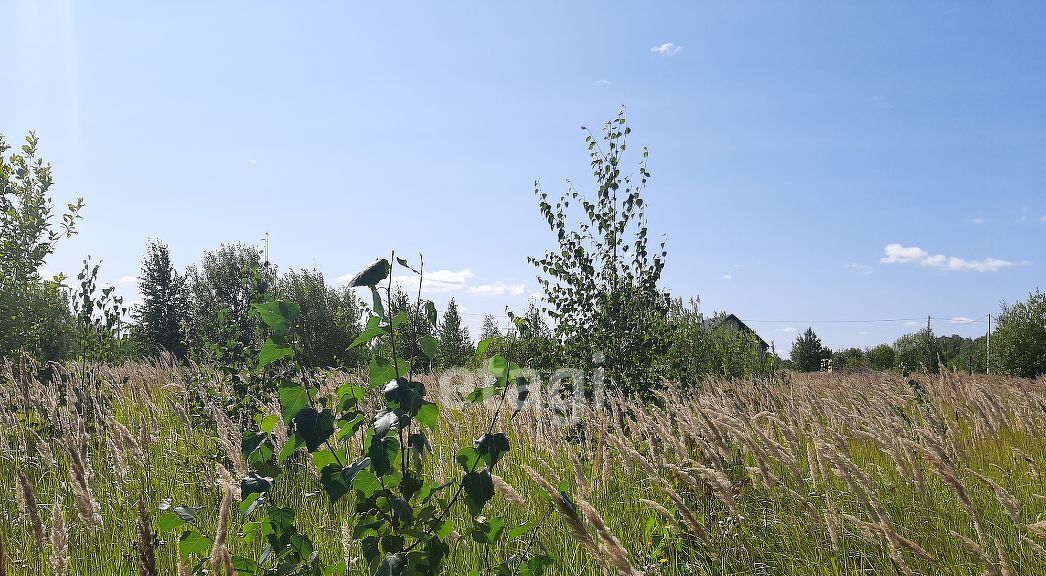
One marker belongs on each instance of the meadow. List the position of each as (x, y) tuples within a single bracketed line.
[(833, 474)]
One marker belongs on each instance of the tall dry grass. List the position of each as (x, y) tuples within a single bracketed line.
[(826, 474)]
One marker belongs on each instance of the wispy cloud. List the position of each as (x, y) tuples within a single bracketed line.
[(912, 323), (602, 82), (1043, 219), (788, 329), (977, 220), (128, 280), (961, 320), (858, 268), (728, 276), (667, 49), (898, 254), (498, 289)]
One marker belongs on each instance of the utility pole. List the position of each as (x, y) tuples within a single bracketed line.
[(266, 239), (988, 350)]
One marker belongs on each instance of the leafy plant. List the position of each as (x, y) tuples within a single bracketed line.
[(601, 281), (370, 442)]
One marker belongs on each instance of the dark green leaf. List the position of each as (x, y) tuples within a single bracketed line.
[(372, 274)]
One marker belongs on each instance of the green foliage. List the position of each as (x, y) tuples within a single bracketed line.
[(807, 352), (882, 357), (1019, 341), (99, 314), (455, 345), (163, 314), (601, 281), (700, 347), (330, 319), (918, 351), (222, 290), (29, 307), (853, 358), (401, 514)]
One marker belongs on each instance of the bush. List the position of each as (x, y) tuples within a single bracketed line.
[(1019, 342)]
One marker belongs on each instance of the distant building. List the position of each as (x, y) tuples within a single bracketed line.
[(735, 323)]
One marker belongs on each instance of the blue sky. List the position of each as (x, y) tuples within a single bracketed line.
[(811, 161)]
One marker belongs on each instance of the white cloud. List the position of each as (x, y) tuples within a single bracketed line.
[(602, 82), (788, 329), (728, 276), (667, 49), (912, 323), (128, 280), (961, 320), (977, 220), (498, 289), (1043, 219), (253, 162), (898, 254)]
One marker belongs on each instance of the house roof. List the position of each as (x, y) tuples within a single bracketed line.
[(732, 319)]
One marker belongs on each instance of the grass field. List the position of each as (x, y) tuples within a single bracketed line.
[(810, 474)]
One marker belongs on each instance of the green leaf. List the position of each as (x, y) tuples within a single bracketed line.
[(268, 423), (315, 427), (372, 275), (430, 346), (277, 315), (430, 313), (192, 542), (168, 521), (291, 446), (481, 347), (491, 447), (479, 487), (367, 335), (322, 458), (482, 394), (333, 481), (467, 458), (366, 482), (271, 352), (392, 565), (428, 414), (292, 400), (497, 365)]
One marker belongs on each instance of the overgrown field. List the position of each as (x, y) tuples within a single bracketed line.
[(809, 474)]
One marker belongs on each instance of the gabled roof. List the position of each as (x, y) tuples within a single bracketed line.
[(732, 319)]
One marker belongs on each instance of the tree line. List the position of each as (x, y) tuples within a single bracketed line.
[(603, 308)]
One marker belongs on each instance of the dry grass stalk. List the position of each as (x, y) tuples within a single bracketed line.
[(616, 557), (59, 541), (32, 508), (565, 508), (146, 542), (1038, 529), (221, 532), (509, 492)]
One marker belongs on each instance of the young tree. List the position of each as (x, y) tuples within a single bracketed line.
[(455, 344), (31, 309), (222, 289), (328, 320), (919, 351), (490, 328), (807, 352), (882, 357), (164, 312), (1019, 341), (601, 280)]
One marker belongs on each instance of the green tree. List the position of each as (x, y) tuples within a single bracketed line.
[(1018, 344), (221, 290), (490, 328), (918, 351), (328, 321), (807, 352), (164, 311), (882, 357), (31, 308), (601, 280), (455, 344)]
